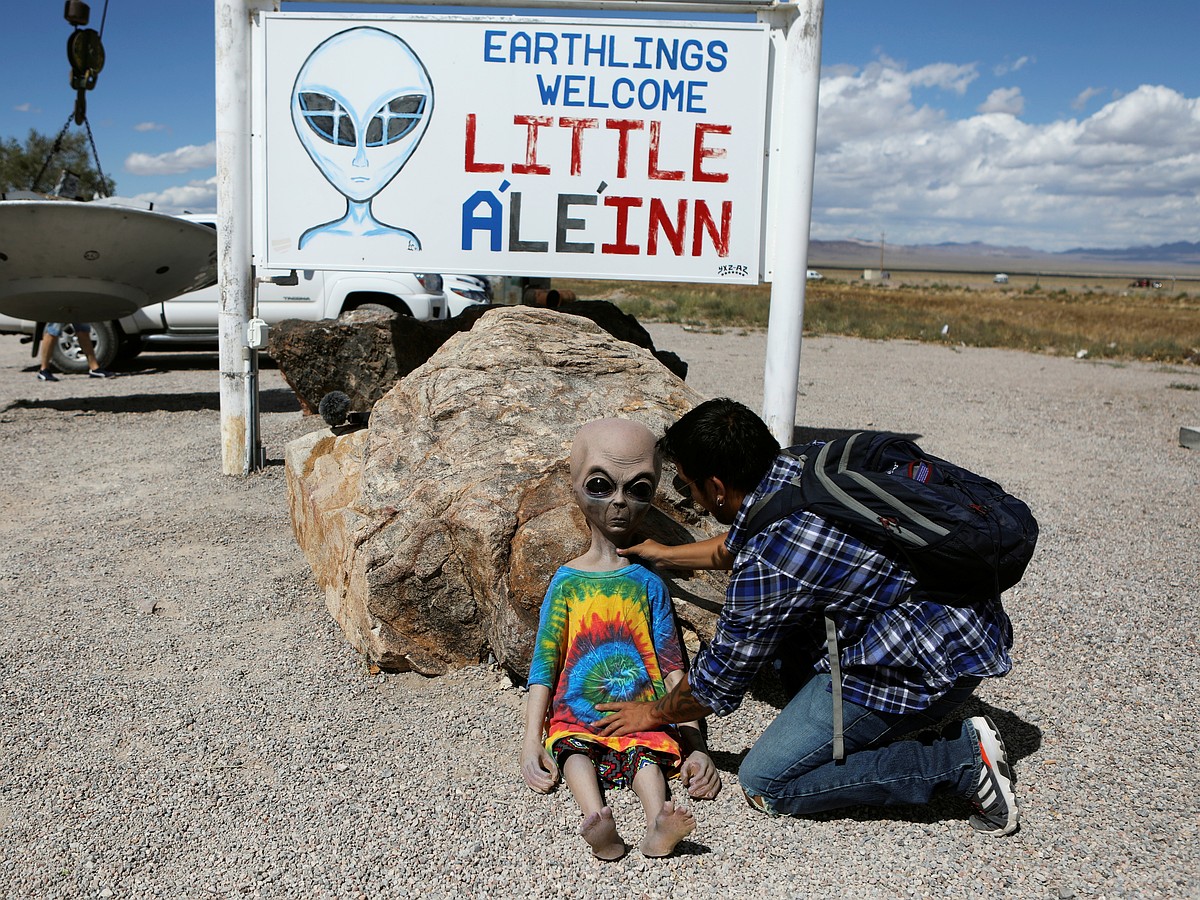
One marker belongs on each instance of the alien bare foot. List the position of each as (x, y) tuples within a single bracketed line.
[(671, 825), (600, 831)]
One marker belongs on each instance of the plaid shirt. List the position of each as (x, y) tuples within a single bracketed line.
[(899, 652)]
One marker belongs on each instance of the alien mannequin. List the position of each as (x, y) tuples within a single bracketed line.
[(360, 105), (607, 630)]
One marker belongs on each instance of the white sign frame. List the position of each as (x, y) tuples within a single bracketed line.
[(559, 147)]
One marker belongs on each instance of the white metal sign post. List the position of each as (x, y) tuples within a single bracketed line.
[(794, 149), (577, 145)]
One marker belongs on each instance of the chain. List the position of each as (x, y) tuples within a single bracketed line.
[(53, 151), (96, 154), (103, 184)]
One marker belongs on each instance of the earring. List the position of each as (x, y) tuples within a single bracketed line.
[(720, 502)]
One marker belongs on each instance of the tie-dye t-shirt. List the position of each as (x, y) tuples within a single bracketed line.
[(605, 637)]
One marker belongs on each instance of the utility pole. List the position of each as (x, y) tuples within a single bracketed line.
[(238, 362)]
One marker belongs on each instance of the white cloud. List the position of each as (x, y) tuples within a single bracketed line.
[(150, 126), (1152, 115), (1004, 100), (183, 159), (1005, 67), (879, 97), (26, 108), (195, 196), (1081, 101), (1128, 174)]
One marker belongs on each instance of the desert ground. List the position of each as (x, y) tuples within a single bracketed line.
[(181, 717)]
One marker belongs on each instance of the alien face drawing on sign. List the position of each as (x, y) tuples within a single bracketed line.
[(360, 105)]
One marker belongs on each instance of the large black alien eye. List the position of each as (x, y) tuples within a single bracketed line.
[(599, 486), (395, 120), (327, 118), (642, 491)]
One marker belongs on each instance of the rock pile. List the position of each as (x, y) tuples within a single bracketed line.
[(435, 531)]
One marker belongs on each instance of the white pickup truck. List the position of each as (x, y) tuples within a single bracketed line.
[(190, 320)]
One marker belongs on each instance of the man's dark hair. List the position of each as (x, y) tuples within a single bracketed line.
[(724, 438)]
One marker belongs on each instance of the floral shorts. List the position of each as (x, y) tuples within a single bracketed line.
[(615, 768)]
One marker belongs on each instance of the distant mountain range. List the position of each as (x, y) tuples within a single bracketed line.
[(1179, 258), (1187, 252)]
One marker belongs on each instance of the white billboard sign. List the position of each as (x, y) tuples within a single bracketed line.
[(585, 147)]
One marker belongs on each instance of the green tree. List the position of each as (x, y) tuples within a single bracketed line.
[(20, 165)]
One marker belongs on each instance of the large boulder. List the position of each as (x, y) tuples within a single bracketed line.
[(364, 352), (435, 531)]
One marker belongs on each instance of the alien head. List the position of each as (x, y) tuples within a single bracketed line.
[(360, 105), (614, 473)]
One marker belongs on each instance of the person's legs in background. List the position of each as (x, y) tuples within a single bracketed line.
[(83, 333), (51, 334)]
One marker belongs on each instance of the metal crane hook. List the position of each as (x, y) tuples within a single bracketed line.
[(85, 53)]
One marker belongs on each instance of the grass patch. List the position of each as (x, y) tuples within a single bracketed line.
[(1107, 325), (685, 304)]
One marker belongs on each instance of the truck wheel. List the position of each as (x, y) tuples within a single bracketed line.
[(68, 357)]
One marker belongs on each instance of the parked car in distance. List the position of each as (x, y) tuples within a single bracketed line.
[(1146, 283), (463, 291), (814, 275), (1000, 278), (190, 320)]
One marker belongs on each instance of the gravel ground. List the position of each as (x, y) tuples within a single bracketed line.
[(181, 718)]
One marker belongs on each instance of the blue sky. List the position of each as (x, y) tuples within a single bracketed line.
[(1049, 125)]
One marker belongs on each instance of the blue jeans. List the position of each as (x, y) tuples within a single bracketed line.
[(791, 770)]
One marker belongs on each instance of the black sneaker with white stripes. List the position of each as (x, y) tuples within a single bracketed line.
[(994, 800)]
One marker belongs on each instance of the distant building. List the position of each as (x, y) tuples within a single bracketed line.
[(876, 275)]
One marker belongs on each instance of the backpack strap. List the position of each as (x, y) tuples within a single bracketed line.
[(780, 504), (835, 675)]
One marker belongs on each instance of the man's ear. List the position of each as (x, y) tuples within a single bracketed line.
[(716, 486)]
